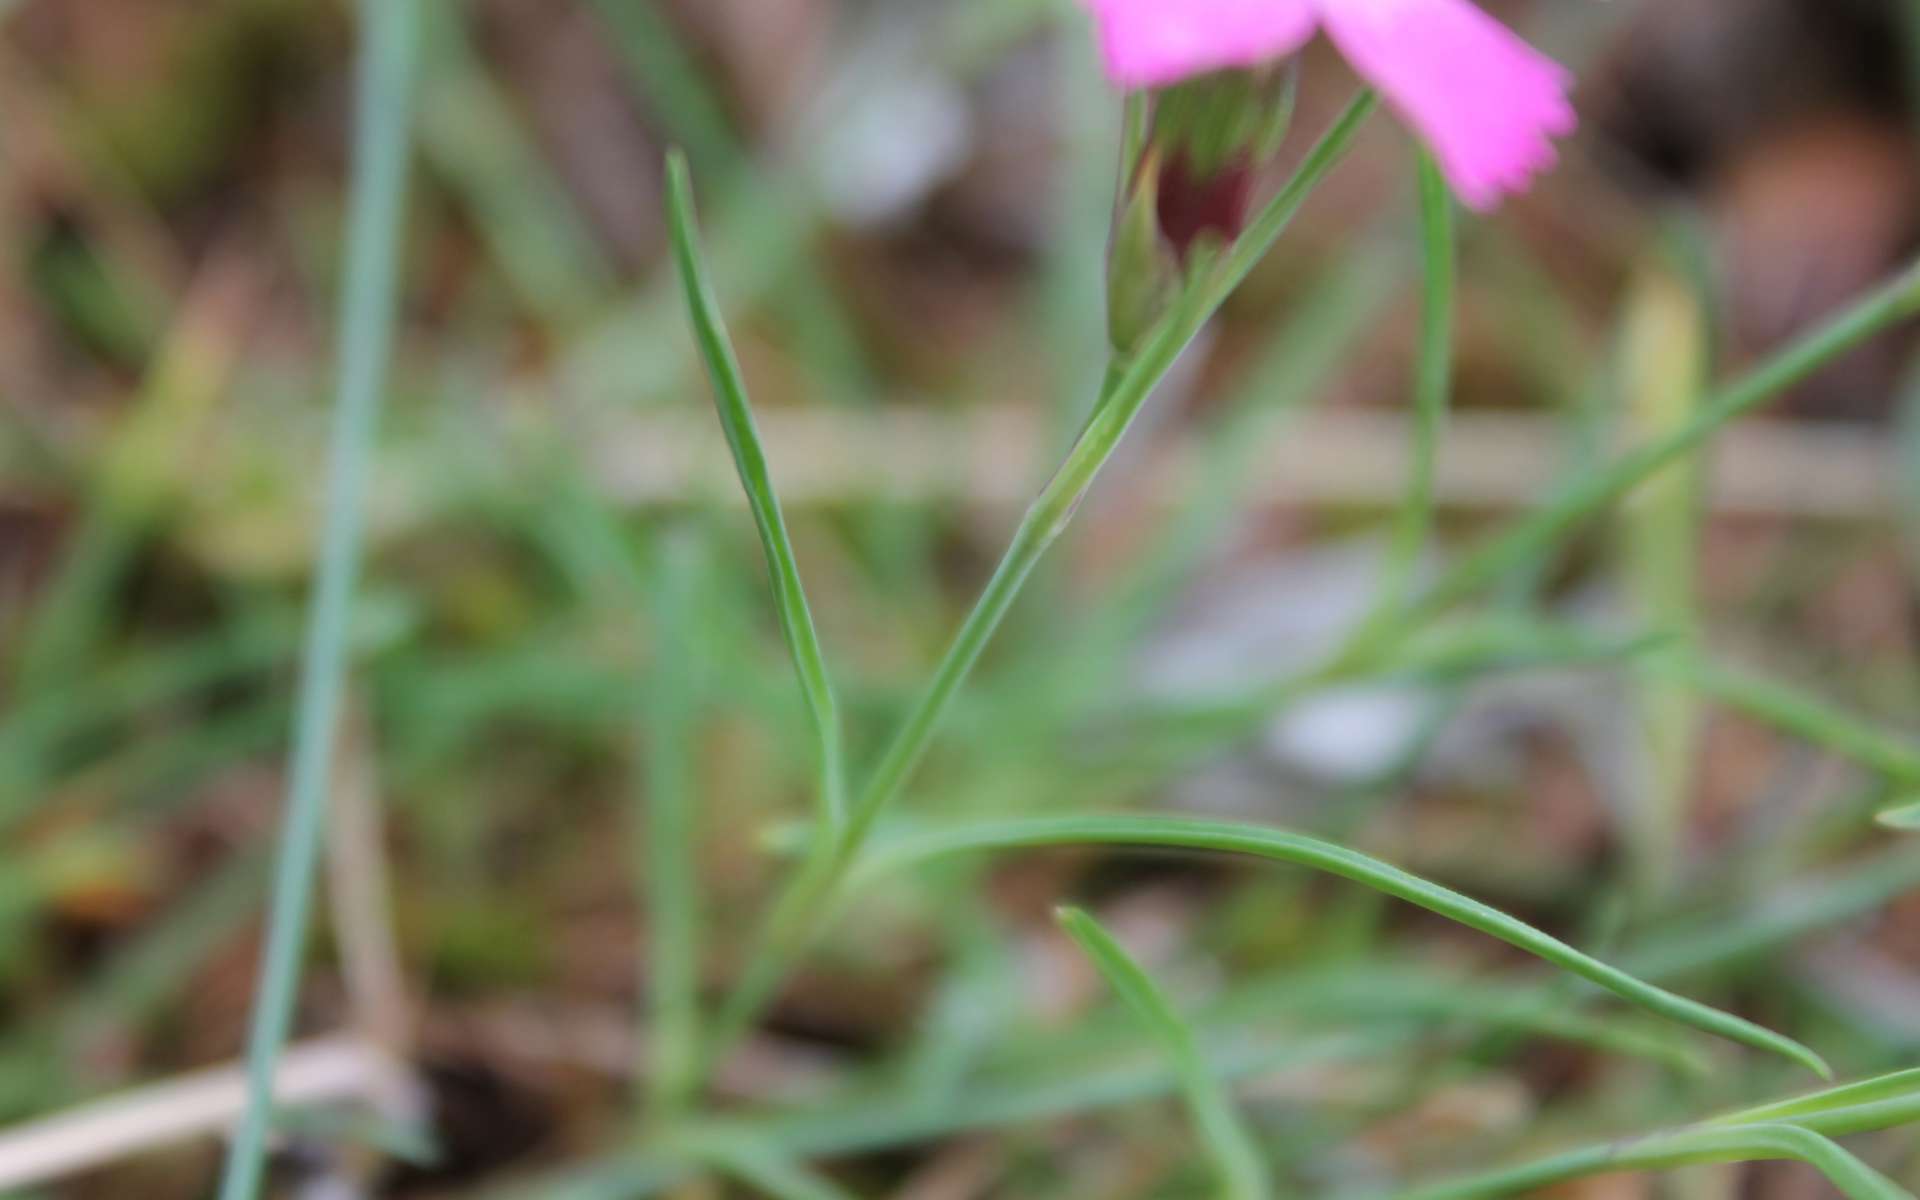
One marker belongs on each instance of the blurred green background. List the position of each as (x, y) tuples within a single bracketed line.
[(906, 202)]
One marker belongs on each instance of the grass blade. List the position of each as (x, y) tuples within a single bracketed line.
[(472, 138), (1525, 540), (1243, 1176), (1529, 537), (1808, 717), (1875, 1093), (1185, 833), (389, 48), (1691, 1147), (1902, 818), (749, 457), (1433, 382), (668, 862)]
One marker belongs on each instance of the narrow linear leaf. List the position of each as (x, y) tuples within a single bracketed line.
[(749, 458), (1242, 1173), (669, 853), (1691, 1147), (1395, 993), (1809, 717), (1898, 300), (1879, 1091), (1432, 383), (1184, 833), (1905, 818)]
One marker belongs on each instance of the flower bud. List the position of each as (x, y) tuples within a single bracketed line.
[(1215, 134), (1191, 188), (1142, 269)]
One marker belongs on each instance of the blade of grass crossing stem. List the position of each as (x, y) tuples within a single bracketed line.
[(1285, 846), (1243, 1176), (790, 924), (389, 46), (1893, 1086), (668, 860), (1805, 716), (1871, 1116), (1685, 1148), (1896, 301), (1525, 539), (750, 459), (1432, 384)]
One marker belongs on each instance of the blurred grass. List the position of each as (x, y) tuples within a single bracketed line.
[(520, 653), (382, 149)]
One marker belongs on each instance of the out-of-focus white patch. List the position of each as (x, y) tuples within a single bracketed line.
[(1269, 621), (1352, 734), (880, 158)]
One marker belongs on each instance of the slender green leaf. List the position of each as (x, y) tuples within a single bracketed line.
[(1895, 1086), (1690, 1147), (1894, 755), (1529, 537), (743, 438), (1432, 385), (1587, 494), (668, 862), (1243, 1175), (1184, 833), (471, 136), (1902, 817)]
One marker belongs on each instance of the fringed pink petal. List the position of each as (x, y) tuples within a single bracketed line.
[(1154, 43), (1486, 102)]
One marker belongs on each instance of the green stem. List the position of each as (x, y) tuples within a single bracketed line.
[(367, 318), (797, 914), (756, 480)]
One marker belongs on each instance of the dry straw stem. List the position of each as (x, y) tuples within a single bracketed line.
[(983, 459), (324, 1071)]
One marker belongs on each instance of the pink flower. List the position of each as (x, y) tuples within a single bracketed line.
[(1486, 102)]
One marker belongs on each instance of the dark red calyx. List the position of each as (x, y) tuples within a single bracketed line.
[(1191, 204)]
